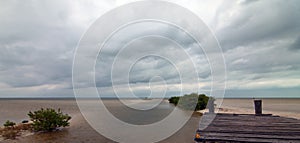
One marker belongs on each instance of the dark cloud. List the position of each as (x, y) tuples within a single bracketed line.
[(260, 40), (36, 43), (248, 24)]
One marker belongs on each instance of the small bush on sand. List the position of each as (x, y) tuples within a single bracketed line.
[(11, 131), (8, 132), (9, 124), (48, 119)]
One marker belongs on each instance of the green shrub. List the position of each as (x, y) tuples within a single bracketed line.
[(174, 100), (8, 124), (191, 101), (202, 102), (48, 119)]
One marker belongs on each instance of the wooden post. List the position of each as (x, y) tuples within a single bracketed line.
[(211, 105), (258, 107)]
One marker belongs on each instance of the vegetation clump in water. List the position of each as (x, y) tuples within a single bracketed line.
[(42, 120), (48, 119), (191, 101)]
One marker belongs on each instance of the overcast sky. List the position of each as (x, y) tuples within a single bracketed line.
[(260, 40)]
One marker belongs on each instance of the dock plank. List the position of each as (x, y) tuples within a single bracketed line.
[(249, 128)]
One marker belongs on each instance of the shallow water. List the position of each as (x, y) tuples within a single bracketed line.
[(80, 130)]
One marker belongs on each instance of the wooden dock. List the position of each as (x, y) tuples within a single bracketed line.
[(248, 128)]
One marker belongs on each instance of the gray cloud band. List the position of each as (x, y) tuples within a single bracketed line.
[(135, 45), (97, 38)]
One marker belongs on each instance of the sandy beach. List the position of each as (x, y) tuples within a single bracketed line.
[(80, 131)]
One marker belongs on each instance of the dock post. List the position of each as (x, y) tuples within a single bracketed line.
[(258, 107), (211, 105)]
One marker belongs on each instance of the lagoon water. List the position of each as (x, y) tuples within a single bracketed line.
[(80, 131)]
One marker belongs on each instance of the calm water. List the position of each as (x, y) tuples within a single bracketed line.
[(16, 110), (80, 131)]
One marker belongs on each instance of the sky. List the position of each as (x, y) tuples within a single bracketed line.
[(260, 41)]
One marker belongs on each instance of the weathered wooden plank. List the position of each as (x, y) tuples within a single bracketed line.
[(251, 128), (257, 136), (263, 126), (249, 139), (256, 133)]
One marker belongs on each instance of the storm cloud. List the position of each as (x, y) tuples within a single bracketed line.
[(260, 42)]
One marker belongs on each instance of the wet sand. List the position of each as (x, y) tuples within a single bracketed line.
[(80, 131)]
